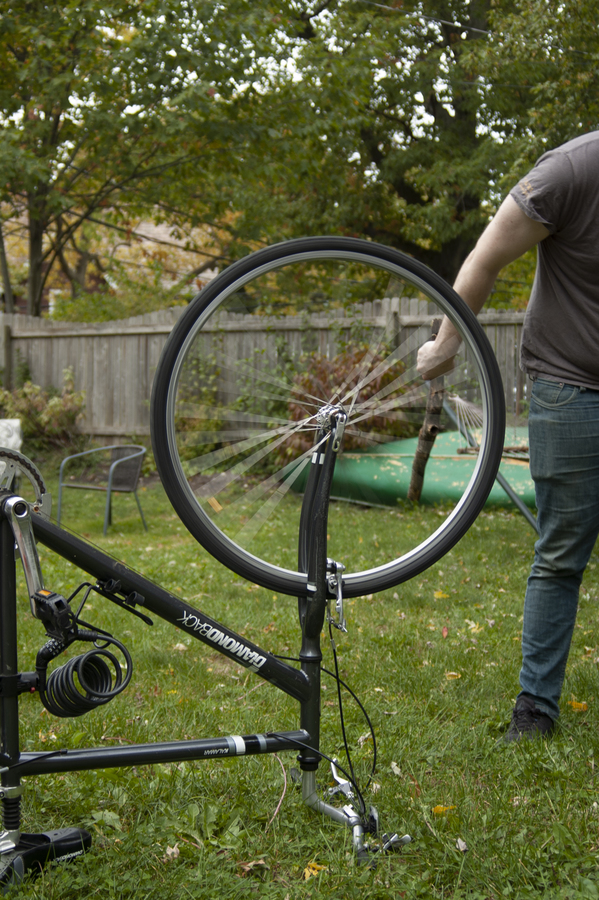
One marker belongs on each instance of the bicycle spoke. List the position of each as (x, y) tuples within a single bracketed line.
[(252, 373)]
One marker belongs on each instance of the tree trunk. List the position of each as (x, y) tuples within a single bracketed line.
[(35, 277), (9, 301)]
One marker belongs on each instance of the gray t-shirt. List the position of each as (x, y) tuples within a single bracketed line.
[(560, 338)]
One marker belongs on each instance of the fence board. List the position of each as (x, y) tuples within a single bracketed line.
[(115, 362)]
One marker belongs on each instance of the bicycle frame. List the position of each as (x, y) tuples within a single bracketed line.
[(302, 684)]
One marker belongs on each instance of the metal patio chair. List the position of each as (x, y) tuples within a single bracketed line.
[(122, 477)]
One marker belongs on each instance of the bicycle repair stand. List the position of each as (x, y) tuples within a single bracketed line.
[(20, 527)]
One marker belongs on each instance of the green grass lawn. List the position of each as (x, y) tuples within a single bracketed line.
[(435, 662)]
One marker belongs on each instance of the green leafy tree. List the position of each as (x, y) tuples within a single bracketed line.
[(108, 109), (382, 126), (404, 121), (549, 51), (407, 122)]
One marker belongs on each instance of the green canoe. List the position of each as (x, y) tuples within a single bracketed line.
[(382, 476)]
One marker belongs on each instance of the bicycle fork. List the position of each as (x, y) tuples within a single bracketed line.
[(325, 581)]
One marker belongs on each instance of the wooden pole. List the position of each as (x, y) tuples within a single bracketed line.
[(430, 429)]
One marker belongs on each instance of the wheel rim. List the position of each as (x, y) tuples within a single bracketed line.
[(233, 455)]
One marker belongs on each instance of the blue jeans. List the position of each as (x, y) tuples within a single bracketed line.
[(564, 464)]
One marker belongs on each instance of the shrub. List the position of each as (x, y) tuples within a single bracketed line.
[(49, 418), (325, 378)]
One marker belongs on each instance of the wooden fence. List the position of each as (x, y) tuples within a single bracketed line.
[(114, 362)]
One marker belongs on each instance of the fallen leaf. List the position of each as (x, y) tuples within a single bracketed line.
[(445, 631), (395, 768), (461, 845), (172, 852), (578, 706), (452, 675), (312, 869), (441, 810), (247, 867), (440, 595)]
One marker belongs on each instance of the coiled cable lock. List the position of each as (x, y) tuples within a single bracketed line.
[(86, 681)]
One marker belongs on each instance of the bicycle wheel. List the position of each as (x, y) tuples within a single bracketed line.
[(266, 345)]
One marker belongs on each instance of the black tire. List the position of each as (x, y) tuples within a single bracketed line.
[(215, 400)]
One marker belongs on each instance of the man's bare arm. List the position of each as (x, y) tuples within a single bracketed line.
[(509, 234)]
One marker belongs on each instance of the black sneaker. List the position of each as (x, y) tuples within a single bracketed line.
[(528, 721)]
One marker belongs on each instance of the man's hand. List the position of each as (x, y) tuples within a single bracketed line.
[(437, 357)]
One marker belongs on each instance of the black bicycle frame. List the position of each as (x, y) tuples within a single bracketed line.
[(302, 684), (157, 601)]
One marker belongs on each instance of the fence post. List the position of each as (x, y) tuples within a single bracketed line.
[(5, 354)]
